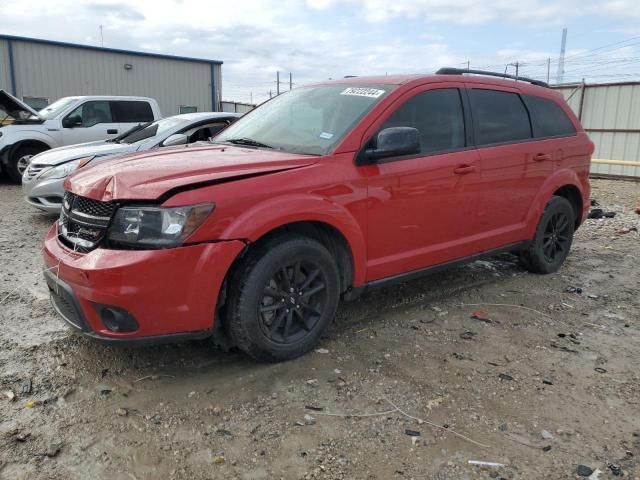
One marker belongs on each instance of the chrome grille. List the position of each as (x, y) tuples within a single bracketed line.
[(83, 222), (35, 169)]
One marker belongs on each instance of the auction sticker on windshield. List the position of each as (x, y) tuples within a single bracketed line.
[(362, 92)]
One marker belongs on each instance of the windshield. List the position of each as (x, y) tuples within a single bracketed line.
[(305, 120), (56, 107), (153, 129)]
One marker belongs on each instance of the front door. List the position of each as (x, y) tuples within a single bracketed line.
[(89, 122), (422, 208)]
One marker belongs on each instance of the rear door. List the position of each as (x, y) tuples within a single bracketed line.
[(129, 113), (511, 173), (422, 208), (92, 120)]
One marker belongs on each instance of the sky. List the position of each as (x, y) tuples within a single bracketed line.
[(320, 39)]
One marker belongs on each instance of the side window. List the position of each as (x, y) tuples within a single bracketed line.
[(548, 118), (205, 132), (499, 117), (91, 113), (437, 114), (129, 111)]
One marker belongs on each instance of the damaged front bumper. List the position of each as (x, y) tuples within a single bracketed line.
[(138, 296)]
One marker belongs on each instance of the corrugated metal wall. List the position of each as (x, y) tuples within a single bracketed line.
[(5, 79), (610, 114), (54, 71)]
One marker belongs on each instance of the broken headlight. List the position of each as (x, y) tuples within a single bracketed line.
[(156, 227)]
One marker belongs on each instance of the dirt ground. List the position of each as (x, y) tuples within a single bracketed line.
[(548, 381)]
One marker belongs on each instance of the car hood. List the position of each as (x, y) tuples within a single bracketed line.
[(20, 111), (148, 176), (61, 155)]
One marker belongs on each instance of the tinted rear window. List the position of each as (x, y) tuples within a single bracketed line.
[(548, 118), (132, 111), (499, 117)]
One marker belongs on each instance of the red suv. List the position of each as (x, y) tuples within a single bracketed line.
[(315, 196)]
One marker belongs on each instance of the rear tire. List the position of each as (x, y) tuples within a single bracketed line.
[(19, 161), (554, 236), (282, 297)]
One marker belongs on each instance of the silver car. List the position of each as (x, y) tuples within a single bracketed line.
[(43, 179)]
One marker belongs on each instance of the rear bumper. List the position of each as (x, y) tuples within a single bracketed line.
[(172, 294)]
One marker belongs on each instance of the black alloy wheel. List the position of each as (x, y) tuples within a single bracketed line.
[(549, 248), (556, 238), (292, 302), (281, 297)]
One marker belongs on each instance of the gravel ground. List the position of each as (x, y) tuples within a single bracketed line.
[(546, 381)]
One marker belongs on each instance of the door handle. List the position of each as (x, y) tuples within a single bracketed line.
[(464, 169), (541, 157), (111, 131)]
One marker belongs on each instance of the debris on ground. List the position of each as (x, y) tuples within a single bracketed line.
[(599, 213), (485, 464), (309, 420), (584, 471), (322, 350), (615, 469), (123, 412), (481, 315), (505, 376), (546, 435), (9, 395), (412, 433), (468, 335), (314, 408), (26, 387)]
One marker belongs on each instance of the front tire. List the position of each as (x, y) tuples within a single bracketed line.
[(282, 297), (20, 160), (554, 236)]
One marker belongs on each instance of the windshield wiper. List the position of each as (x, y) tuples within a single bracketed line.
[(249, 142), (140, 126)]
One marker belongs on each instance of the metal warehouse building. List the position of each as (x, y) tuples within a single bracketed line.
[(41, 71)]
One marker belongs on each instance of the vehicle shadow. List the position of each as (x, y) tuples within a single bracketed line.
[(200, 359)]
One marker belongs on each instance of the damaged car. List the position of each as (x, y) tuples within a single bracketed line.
[(42, 181), (317, 195)]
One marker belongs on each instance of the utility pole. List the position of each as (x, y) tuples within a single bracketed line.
[(517, 64), (251, 98), (563, 47), (290, 82), (277, 83), (548, 69), (270, 94), (468, 65), (101, 37)]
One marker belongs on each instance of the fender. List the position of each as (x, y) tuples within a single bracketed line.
[(258, 220), (14, 139), (267, 216), (558, 179)]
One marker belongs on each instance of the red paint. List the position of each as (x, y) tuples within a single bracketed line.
[(396, 217)]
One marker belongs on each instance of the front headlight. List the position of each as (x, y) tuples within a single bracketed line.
[(156, 227), (64, 170)]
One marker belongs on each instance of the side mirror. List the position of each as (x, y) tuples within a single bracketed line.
[(175, 139), (394, 142), (72, 121)]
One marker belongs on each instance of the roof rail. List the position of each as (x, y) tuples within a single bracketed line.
[(461, 71)]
